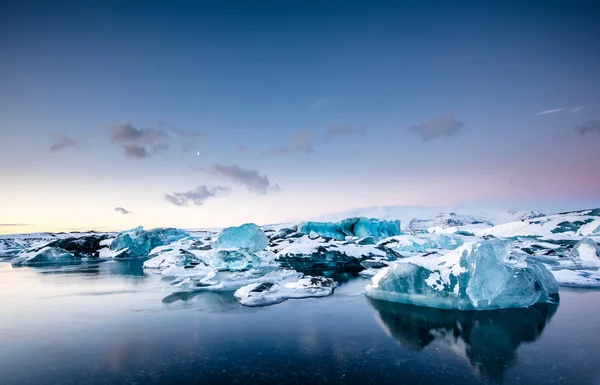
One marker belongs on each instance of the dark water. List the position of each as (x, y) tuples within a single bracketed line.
[(110, 323)]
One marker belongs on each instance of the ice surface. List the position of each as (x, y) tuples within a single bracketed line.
[(269, 293), (445, 220), (578, 278), (476, 276), (327, 256), (422, 243), (352, 227), (137, 243), (247, 236), (556, 226)]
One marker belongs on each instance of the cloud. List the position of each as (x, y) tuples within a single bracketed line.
[(588, 127), (302, 141), (437, 127), (318, 104), (553, 111), (62, 143), (14, 224), (556, 110), (123, 211), (251, 179), (138, 142), (197, 196)]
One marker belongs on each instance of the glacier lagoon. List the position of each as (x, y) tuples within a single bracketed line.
[(111, 322), (171, 305)]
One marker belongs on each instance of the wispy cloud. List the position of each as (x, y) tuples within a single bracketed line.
[(557, 110), (304, 141), (552, 111), (588, 127), (318, 104), (62, 143), (251, 179), (123, 211), (197, 196), (437, 127), (138, 142), (14, 224)]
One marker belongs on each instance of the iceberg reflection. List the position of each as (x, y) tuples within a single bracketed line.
[(488, 340)]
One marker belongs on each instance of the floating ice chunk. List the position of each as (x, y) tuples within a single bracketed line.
[(322, 229), (364, 227), (586, 253), (578, 278), (233, 259), (352, 227), (269, 293), (163, 257), (205, 278), (45, 255), (248, 236), (476, 276), (137, 243)]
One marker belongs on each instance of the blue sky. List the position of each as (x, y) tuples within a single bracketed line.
[(273, 112)]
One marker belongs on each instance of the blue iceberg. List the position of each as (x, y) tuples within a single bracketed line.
[(476, 276), (138, 243), (43, 256), (248, 237), (352, 227)]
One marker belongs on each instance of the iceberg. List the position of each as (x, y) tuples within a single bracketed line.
[(586, 253), (60, 251), (269, 293), (137, 243), (205, 278), (247, 236), (43, 256), (233, 259), (476, 276), (352, 227)]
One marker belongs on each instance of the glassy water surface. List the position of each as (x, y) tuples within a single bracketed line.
[(111, 323)]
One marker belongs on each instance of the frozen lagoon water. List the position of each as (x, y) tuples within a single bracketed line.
[(111, 323)]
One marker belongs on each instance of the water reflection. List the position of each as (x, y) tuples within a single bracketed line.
[(487, 339)]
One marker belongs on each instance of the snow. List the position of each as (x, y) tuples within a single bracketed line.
[(269, 293)]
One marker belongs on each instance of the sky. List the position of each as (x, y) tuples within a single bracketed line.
[(209, 114)]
